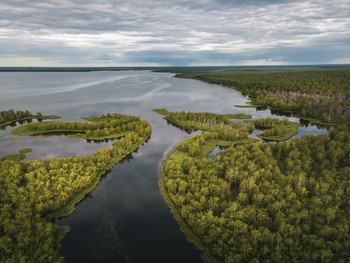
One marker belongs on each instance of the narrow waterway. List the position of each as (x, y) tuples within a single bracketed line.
[(125, 219)]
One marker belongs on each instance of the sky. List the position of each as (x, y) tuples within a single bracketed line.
[(173, 32)]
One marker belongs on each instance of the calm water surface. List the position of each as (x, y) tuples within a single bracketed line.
[(125, 218)]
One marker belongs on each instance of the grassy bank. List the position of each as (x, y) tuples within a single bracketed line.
[(247, 106), (163, 112), (14, 157), (17, 156), (291, 130), (26, 150)]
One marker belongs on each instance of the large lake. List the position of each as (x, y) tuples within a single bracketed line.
[(125, 218)]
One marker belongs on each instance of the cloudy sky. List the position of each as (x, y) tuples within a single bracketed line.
[(173, 32)]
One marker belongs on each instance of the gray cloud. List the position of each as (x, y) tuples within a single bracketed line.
[(164, 32)]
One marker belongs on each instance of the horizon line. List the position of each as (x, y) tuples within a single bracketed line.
[(182, 66)]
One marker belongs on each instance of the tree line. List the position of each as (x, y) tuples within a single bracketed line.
[(320, 94), (205, 121), (102, 126), (12, 115), (267, 202), (33, 193)]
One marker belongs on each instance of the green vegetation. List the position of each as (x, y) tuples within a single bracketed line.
[(103, 127), (264, 202), (246, 106), (240, 116), (205, 121), (275, 129), (7, 117), (33, 193), (161, 111), (280, 133), (321, 94), (205, 148), (14, 157), (26, 150), (17, 156), (260, 202), (198, 147)]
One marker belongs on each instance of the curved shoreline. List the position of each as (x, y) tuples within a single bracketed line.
[(51, 188), (69, 208)]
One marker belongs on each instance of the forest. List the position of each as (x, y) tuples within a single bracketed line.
[(281, 201), (263, 202), (205, 121), (34, 193), (224, 127), (268, 202), (8, 117), (99, 128), (321, 95)]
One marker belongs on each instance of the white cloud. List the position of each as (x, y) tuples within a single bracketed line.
[(102, 30)]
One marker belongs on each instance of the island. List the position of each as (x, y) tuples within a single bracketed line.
[(275, 129), (34, 193), (262, 201)]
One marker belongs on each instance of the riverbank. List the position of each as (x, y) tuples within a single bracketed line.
[(49, 189)]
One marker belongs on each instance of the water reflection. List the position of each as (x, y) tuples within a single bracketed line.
[(125, 217), (188, 131), (261, 108), (216, 150), (17, 123), (104, 140), (305, 123), (50, 145), (282, 113)]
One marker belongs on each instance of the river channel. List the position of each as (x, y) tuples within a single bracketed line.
[(125, 218)]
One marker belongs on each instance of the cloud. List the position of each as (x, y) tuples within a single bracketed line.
[(164, 32)]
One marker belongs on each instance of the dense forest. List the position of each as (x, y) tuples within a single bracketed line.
[(269, 202), (223, 126), (322, 95), (218, 130), (255, 202), (33, 193), (263, 202)]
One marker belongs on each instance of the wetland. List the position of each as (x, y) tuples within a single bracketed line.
[(125, 218)]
